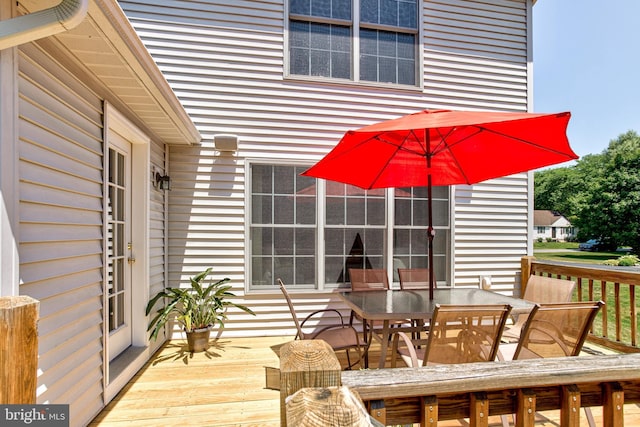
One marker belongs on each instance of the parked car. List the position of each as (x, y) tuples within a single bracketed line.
[(598, 245), (590, 245)]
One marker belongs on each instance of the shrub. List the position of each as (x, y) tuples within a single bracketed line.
[(628, 260), (624, 261)]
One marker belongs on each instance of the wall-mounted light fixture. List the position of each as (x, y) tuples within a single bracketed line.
[(226, 142), (163, 182)]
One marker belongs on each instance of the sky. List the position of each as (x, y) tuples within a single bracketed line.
[(586, 60)]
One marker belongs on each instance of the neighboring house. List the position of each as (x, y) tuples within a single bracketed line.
[(88, 121), (551, 225)]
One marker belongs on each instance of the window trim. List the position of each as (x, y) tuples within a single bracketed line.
[(355, 46), (320, 228)]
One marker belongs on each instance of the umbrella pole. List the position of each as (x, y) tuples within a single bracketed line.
[(431, 233)]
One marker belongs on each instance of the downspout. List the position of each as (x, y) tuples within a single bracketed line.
[(33, 26)]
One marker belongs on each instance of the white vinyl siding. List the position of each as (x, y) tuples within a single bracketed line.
[(491, 231), (475, 54), (61, 262), (61, 229), (225, 61), (158, 238)]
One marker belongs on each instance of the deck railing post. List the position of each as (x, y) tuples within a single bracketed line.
[(570, 406), (525, 408), (306, 363), (479, 410), (525, 271), (326, 406), (18, 349), (613, 404)]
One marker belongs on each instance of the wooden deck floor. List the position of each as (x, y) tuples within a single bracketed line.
[(225, 386)]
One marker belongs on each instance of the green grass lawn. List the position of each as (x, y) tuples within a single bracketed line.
[(555, 245), (578, 256), (592, 258), (573, 255)]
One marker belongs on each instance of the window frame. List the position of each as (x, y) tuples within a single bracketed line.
[(356, 25), (321, 285)]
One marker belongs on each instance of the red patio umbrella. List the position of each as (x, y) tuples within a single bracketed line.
[(443, 147)]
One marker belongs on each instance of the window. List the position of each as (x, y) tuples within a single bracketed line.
[(410, 230), (354, 231), (283, 226), (310, 232), (326, 41)]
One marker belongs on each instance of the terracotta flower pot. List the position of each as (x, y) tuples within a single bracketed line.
[(198, 340)]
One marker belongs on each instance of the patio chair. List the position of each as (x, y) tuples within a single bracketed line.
[(553, 330), (340, 336), (414, 278), (541, 290), (457, 334), (368, 279)]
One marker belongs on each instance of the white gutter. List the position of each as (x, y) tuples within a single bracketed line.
[(27, 28)]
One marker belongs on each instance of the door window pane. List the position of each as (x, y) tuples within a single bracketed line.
[(116, 244)]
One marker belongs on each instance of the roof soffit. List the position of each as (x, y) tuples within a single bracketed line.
[(108, 49)]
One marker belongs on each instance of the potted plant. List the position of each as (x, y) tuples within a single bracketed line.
[(197, 309)]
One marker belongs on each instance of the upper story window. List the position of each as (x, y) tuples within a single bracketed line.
[(377, 44)]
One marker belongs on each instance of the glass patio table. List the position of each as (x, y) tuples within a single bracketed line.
[(414, 305)]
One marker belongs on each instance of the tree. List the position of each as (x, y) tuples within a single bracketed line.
[(612, 209), (558, 190), (567, 189), (600, 194)]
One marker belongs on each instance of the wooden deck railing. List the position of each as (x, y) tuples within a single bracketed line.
[(476, 391), (616, 326)]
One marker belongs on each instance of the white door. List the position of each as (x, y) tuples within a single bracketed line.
[(119, 250)]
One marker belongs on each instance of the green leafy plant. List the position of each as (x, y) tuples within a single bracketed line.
[(200, 306), (624, 261), (628, 260)]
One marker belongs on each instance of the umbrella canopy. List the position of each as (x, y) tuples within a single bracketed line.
[(443, 147)]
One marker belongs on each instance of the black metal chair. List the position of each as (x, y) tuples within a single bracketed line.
[(340, 336)]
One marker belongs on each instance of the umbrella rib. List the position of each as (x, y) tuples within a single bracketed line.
[(443, 145), (542, 147), (513, 138), (501, 134), (398, 147), (402, 146)]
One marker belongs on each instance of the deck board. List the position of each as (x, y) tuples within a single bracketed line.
[(226, 387)]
